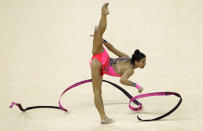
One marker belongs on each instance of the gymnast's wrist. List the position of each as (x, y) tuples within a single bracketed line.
[(136, 85)]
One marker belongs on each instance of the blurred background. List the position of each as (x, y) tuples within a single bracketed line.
[(45, 47)]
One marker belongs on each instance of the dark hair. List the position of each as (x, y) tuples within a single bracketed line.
[(137, 56)]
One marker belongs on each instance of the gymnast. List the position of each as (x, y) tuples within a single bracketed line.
[(101, 64)]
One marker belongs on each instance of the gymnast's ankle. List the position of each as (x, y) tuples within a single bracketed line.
[(107, 121)]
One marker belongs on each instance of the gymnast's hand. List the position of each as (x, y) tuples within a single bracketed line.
[(140, 90), (105, 10)]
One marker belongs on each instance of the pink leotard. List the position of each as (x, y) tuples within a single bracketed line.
[(103, 57)]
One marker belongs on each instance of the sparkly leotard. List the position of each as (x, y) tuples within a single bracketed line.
[(107, 63)]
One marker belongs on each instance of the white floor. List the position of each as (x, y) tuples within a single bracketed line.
[(45, 47)]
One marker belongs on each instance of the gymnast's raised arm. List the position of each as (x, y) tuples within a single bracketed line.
[(114, 50)]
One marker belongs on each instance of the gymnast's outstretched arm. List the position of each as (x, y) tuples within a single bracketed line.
[(124, 80), (114, 50)]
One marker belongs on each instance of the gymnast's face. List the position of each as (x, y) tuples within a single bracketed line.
[(141, 63)]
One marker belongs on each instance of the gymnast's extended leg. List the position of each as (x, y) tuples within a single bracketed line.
[(96, 67), (99, 30)]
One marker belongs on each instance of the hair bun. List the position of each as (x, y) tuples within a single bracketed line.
[(137, 51)]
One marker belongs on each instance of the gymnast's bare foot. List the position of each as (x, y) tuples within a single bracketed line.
[(107, 121), (105, 10)]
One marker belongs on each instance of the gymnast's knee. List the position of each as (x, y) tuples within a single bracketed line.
[(96, 29)]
